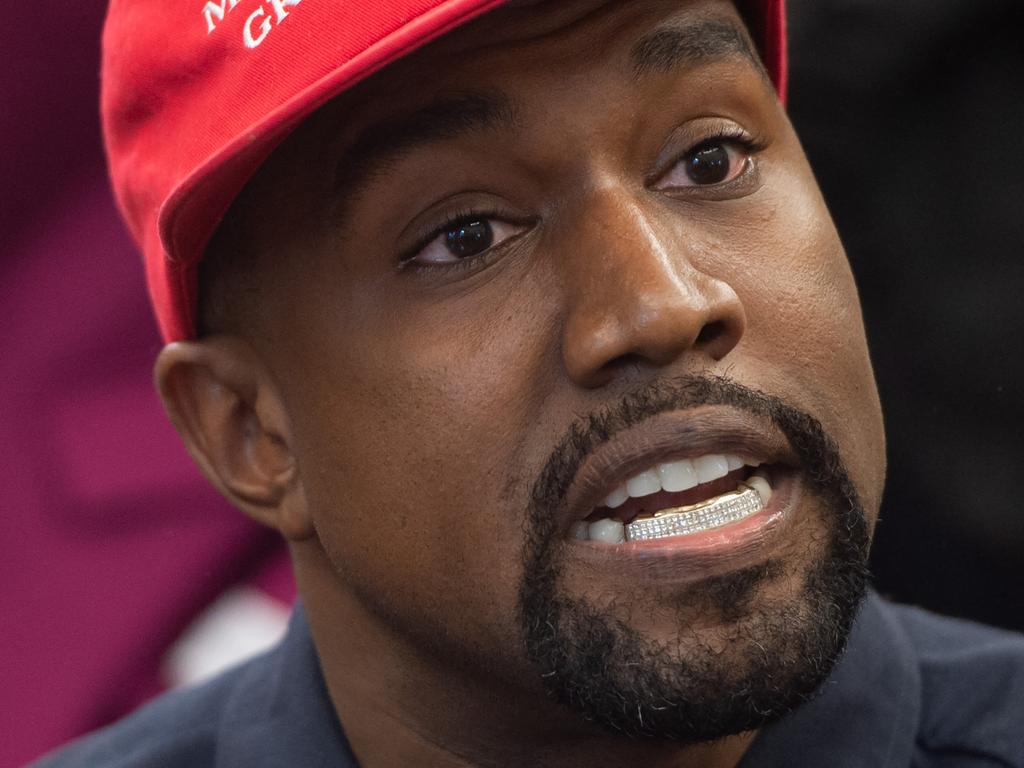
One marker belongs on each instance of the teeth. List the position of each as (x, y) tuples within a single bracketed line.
[(607, 531), (716, 512), (752, 496), (678, 476), (675, 476), (644, 484), (710, 467), (617, 497), (760, 484)]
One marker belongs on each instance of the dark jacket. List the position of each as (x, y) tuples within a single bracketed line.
[(913, 689)]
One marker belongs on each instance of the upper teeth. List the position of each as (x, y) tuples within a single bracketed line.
[(675, 476)]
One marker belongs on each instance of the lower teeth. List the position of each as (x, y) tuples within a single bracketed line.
[(725, 509)]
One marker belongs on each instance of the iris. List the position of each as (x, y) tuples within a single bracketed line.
[(708, 164), (469, 238)]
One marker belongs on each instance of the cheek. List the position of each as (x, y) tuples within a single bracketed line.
[(805, 327), (412, 451)]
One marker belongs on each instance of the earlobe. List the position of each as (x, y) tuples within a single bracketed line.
[(233, 420)]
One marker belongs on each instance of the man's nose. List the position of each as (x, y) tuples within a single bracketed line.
[(636, 295)]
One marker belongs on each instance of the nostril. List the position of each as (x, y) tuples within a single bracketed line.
[(709, 333)]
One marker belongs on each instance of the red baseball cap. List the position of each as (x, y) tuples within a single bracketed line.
[(196, 95)]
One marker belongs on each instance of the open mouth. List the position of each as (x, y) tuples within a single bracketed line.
[(679, 498)]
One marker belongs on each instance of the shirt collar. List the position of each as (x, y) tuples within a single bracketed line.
[(280, 713)]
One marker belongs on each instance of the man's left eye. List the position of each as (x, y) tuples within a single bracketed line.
[(710, 163)]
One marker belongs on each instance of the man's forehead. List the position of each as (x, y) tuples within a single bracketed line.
[(423, 110)]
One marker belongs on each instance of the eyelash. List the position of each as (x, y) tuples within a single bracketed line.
[(730, 133), (750, 144)]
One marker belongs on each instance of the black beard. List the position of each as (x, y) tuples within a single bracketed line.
[(778, 653)]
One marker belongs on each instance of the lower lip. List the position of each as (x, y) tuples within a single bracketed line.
[(728, 545)]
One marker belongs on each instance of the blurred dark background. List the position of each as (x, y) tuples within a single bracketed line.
[(912, 114)]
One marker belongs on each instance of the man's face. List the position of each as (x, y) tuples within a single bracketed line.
[(560, 247)]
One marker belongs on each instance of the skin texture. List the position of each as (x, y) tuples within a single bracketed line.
[(391, 422)]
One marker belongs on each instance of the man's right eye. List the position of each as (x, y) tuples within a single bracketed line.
[(463, 239)]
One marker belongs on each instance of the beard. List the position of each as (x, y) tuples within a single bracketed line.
[(771, 655)]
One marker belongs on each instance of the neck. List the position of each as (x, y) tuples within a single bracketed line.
[(400, 705)]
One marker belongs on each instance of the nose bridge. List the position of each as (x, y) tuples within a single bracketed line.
[(635, 294)]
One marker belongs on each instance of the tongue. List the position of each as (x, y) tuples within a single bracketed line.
[(655, 502)]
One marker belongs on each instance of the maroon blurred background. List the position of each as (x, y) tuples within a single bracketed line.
[(112, 542)]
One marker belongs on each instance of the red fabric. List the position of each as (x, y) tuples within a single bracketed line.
[(190, 111), (774, 44)]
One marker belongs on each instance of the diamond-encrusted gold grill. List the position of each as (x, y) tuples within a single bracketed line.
[(726, 509)]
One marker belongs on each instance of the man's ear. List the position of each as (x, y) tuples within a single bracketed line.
[(232, 418)]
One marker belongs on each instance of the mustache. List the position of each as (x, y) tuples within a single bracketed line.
[(817, 451)]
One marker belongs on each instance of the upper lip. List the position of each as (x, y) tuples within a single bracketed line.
[(672, 436)]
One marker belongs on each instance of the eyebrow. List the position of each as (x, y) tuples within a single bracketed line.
[(446, 119), (671, 47), (451, 117)]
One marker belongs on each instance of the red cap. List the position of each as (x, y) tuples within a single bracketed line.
[(196, 95)]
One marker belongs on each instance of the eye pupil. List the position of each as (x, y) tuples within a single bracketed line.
[(708, 164), (469, 238)]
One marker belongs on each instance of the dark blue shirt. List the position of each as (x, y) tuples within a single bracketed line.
[(913, 690)]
